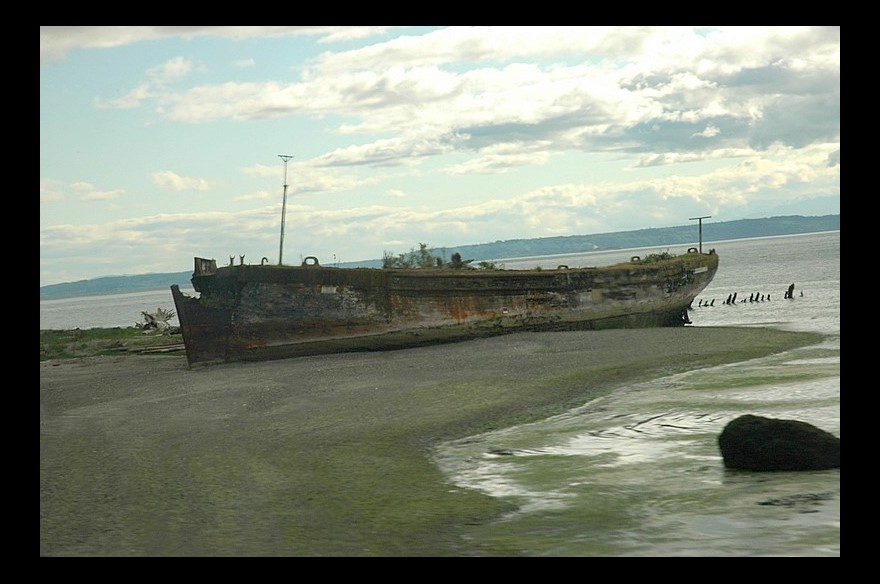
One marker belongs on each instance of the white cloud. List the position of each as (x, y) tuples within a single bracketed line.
[(131, 100), (167, 180), (172, 70), (50, 191), (474, 133)]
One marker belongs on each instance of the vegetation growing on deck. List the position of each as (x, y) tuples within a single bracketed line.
[(423, 258), (657, 257)]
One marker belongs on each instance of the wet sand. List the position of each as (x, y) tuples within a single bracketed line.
[(318, 456)]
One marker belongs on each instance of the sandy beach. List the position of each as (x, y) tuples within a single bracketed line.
[(318, 456)]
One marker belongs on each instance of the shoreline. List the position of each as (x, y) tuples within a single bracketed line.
[(327, 455)]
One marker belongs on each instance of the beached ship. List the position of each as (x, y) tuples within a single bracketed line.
[(262, 312)]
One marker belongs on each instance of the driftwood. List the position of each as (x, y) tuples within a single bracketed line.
[(156, 320)]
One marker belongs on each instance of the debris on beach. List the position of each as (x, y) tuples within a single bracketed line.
[(156, 320)]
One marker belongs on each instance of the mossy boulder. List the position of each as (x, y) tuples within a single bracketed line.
[(766, 444)]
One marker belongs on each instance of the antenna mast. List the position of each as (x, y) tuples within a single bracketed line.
[(701, 228), (285, 158)]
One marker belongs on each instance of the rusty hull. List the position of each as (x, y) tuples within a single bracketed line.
[(262, 312)]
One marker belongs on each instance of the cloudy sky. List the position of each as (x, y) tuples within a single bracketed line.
[(158, 144)]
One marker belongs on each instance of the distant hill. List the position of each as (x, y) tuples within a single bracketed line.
[(684, 234), (497, 250)]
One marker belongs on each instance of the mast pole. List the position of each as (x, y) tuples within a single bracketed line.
[(285, 158), (701, 228)]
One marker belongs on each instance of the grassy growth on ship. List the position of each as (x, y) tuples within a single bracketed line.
[(423, 258), (657, 257)]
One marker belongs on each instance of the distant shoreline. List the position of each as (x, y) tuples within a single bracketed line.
[(510, 250), (639, 248)]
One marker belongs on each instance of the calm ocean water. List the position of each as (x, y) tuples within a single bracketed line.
[(112, 310), (638, 472)]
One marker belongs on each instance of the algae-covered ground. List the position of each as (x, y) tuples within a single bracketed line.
[(328, 455), (67, 344)]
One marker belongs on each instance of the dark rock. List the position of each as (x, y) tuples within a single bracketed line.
[(757, 443)]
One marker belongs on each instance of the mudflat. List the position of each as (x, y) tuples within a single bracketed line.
[(327, 455)]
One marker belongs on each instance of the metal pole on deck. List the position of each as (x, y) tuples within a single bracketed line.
[(701, 229), (285, 158)]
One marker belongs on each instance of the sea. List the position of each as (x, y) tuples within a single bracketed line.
[(638, 472), (109, 310)]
